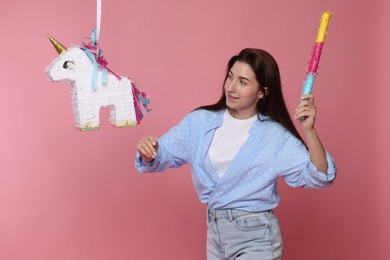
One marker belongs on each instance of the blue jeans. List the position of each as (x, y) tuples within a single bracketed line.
[(243, 235)]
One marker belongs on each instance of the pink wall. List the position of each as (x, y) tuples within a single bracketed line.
[(66, 194)]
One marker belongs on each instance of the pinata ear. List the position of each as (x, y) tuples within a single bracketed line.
[(57, 45)]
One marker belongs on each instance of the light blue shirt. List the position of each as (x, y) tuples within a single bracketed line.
[(249, 183)]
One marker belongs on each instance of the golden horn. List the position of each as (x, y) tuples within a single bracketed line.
[(57, 45)]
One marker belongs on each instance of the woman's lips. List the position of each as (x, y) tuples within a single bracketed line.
[(232, 97)]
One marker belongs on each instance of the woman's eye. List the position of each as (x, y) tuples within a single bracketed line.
[(243, 83), (68, 64)]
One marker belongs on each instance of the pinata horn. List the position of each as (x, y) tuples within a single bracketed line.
[(57, 45)]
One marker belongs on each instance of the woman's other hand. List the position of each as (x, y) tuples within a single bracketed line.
[(147, 148)]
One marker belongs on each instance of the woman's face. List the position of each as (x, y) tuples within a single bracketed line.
[(242, 91)]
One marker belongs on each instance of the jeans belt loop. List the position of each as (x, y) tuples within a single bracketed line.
[(231, 215), (212, 215)]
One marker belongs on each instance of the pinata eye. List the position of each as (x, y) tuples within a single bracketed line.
[(68, 64)]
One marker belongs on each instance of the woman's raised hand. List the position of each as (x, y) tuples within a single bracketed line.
[(306, 111)]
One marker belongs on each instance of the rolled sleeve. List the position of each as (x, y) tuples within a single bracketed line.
[(330, 174), (173, 150), (141, 165), (299, 171), (315, 179)]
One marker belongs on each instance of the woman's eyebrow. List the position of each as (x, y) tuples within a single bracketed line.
[(244, 78), (240, 77)]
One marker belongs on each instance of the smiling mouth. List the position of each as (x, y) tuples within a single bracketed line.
[(232, 97)]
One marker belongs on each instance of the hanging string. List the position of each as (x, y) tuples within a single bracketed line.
[(98, 19)]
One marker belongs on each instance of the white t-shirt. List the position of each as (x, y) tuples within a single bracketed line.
[(228, 140)]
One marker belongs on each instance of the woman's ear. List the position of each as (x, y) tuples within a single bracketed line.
[(263, 93)]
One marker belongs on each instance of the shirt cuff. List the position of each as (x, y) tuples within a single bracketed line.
[(140, 164), (330, 174)]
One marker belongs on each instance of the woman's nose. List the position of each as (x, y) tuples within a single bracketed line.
[(231, 86)]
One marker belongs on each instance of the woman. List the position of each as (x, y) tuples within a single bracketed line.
[(237, 148)]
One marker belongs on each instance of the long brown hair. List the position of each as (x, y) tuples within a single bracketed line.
[(267, 74)]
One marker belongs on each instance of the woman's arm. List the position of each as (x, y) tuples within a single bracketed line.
[(171, 150), (306, 113)]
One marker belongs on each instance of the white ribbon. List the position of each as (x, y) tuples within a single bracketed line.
[(98, 19)]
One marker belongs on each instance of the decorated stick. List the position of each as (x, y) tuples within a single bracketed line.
[(315, 59)]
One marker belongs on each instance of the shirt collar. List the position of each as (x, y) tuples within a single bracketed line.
[(263, 117)]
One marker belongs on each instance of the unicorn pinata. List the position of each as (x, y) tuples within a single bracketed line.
[(95, 86)]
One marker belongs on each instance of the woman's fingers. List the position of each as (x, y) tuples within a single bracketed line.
[(147, 147), (306, 111), (308, 97), (306, 107)]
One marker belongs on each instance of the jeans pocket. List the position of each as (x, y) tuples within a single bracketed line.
[(252, 222)]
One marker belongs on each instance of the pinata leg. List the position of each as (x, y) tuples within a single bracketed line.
[(123, 115), (126, 123), (89, 119), (89, 126)]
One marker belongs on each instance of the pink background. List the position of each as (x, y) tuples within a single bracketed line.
[(66, 194)]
